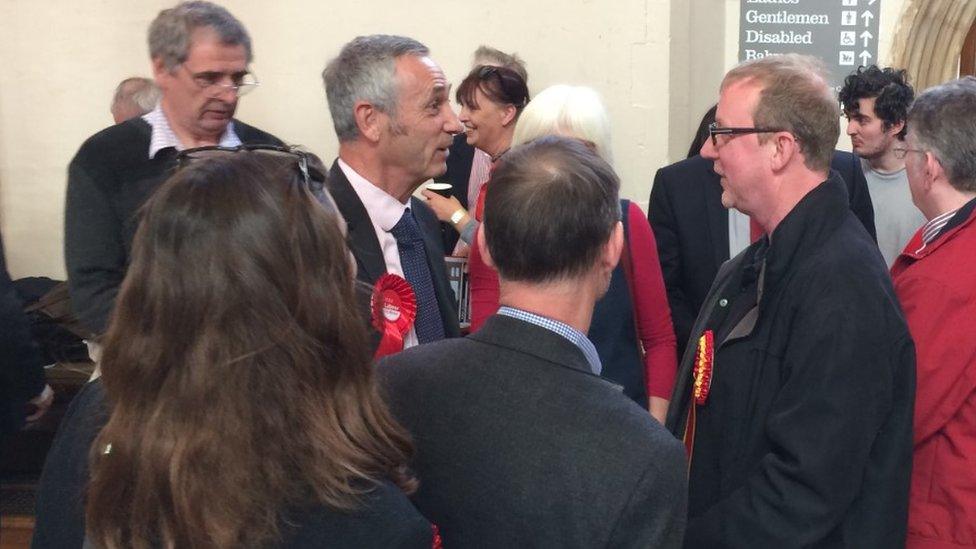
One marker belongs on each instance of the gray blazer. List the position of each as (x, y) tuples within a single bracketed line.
[(518, 444)]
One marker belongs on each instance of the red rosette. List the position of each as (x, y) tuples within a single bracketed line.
[(394, 308), (704, 361)]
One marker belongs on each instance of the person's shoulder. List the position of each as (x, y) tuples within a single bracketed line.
[(693, 166), (252, 135), (640, 441), (842, 159), (384, 517), (126, 139), (421, 360)]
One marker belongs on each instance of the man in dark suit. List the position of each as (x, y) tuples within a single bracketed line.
[(391, 111), (519, 441), (692, 229), (200, 56)]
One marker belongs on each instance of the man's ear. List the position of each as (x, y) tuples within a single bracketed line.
[(896, 128), (508, 115), (368, 120), (483, 246), (934, 170), (786, 147), (160, 72), (613, 248)]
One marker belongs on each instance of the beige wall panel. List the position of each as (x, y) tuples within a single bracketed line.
[(61, 60)]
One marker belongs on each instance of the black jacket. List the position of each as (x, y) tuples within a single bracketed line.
[(384, 519), (805, 439), (21, 372), (109, 179), (458, 174), (519, 444), (691, 228)]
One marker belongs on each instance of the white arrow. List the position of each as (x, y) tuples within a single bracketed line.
[(871, 3), (868, 16), (866, 35), (864, 57)]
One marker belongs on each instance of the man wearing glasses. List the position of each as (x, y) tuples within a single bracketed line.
[(695, 234), (795, 402), (200, 55), (933, 277)]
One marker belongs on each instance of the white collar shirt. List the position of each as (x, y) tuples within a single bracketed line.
[(163, 137), (384, 212)]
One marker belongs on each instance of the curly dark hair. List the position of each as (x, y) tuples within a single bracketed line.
[(890, 88)]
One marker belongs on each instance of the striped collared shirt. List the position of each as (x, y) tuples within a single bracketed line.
[(574, 336), (934, 227), (163, 136)]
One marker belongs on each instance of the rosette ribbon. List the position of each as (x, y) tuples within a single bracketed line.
[(394, 307)]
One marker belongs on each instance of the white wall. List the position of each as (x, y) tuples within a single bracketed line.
[(657, 64), (61, 59)]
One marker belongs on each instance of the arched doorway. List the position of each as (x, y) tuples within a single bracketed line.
[(967, 59), (930, 38)]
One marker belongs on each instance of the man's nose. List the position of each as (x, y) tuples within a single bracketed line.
[(708, 150), (453, 124)]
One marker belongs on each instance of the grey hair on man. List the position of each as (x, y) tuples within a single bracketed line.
[(365, 70), (943, 121), (170, 33), (487, 55), (133, 97)]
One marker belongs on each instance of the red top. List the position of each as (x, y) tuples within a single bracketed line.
[(653, 313), (937, 293)]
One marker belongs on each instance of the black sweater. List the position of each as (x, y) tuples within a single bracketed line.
[(21, 374), (109, 179)]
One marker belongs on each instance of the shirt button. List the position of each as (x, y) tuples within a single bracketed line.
[(723, 302)]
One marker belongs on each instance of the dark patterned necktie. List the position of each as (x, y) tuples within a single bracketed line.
[(413, 261)]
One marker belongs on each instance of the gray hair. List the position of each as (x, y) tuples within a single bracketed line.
[(487, 55), (943, 120), (365, 70), (170, 32), (141, 92), (570, 111)]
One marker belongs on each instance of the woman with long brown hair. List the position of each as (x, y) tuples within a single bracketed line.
[(236, 369)]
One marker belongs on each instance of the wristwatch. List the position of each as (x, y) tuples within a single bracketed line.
[(457, 216)]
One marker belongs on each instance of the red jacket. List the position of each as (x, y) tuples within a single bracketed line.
[(937, 289)]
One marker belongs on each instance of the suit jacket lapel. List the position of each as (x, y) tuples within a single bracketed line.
[(361, 234), (681, 396)]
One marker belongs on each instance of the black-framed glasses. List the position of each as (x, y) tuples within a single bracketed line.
[(210, 82), (308, 165), (901, 152), (715, 130)]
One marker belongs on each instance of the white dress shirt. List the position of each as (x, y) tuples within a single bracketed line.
[(384, 212), (163, 136), (739, 235)]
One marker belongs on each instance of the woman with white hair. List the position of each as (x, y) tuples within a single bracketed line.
[(631, 326)]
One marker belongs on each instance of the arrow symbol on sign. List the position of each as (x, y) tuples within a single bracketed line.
[(871, 3), (864, 57), (867, 16), (866, 35)]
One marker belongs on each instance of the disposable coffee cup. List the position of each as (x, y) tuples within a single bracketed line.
[(443, 189)]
